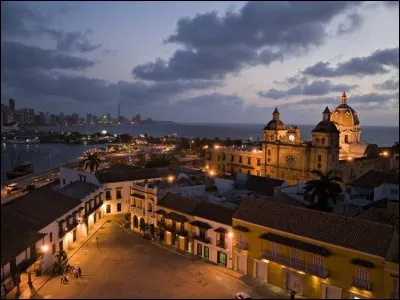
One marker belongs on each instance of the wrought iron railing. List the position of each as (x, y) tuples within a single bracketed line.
[(241, 245), (361, 284), (295, 264), (221, 244)]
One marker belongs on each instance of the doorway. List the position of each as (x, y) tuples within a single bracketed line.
[(221, 258)]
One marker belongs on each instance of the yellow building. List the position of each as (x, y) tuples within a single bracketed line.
[(315, 254), (173, 217), (285, 155), (335, 145)]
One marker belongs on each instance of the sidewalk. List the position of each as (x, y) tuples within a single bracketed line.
[(37, 282), (281, 293)]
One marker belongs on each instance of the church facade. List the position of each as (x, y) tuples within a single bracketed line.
[(285, 155)]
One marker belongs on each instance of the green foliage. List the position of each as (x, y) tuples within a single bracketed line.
[(91, 162)]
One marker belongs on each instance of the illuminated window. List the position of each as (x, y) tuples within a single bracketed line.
[(108, 195), (118, 194), (258, 162), (319, 157), (240, 159), (249, 161)]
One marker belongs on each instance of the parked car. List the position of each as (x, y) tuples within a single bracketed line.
[(11, 187), (242, 295)]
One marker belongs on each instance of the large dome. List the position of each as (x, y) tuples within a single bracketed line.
[(326, 126), (344, 115)]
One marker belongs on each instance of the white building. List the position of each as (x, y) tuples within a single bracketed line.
[(213, 234), (37, 225)]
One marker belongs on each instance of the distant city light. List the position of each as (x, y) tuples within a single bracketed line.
[(104, 131), (217, 146)]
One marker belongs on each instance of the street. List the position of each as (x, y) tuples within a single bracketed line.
[(126, 266)]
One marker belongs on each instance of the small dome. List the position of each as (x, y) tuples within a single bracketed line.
[(326, 126), (275, 125)]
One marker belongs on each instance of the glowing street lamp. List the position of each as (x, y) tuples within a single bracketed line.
[(171, 178), (385, 153), (45, 248), (217, 146), (212, 173), (230, 234)]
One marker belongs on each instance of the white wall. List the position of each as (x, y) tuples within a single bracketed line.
[(68, 176), (224, 185), (210, 233), (188, 191), (386, 190), (125, 200)]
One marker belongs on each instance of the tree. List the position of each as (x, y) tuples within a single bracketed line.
[(125, 138), (395, 147), (324, 188), (91, 162)]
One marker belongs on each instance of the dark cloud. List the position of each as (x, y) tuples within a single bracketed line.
[(356, 100), (376, 63), (260, 33), (214, 99), (352, 23), (316, 88), (15, 55), (389, 84), (72, 41)]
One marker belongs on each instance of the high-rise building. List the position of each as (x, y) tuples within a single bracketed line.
[(47, 118), (26, 116), (11, 104), (89, 118), (75, 118), (119, 112), (61, 119), (41, 117)]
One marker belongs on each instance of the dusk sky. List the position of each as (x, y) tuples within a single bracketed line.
[(228, 62)]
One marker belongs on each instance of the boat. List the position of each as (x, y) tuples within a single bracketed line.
[(20, 170), (24, 141)]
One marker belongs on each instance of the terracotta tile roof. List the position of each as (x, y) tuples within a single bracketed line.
[(120, 173), (375, 178), (214, 212), (352, 233), (262, 185), (179, 203)]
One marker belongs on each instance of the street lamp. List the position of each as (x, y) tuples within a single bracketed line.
[(170, 178)]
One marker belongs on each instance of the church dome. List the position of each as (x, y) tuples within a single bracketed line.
[(326, 125), (275, 123), (344, 115)]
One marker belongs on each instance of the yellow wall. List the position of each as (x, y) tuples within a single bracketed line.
[(340, 269)]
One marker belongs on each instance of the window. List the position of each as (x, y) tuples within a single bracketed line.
[(323, 141), (249, 161), (346, 138), (199, 249), (61, 246), (206, 252), (362, 274), (182, 227), (119, 194), (258, 162), (51, 237), (295, 254), (108, 195), (319, 157), (248, 172), (173, 225), (202, 233), (118, 206), (108, 208), (269, 152), (223, 156), (240, 159), (218, 157), (53, 249), (258, 173), (232, 158)]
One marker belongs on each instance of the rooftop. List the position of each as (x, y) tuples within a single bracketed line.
[(79, 190), (214, 212), (330, 228), (376, 178), (22, 218), (179, 203), (262, 185), (122, 172)]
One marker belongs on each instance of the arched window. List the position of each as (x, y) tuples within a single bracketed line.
[(142, 224), (346, 138), (323, 141), (135, 222)]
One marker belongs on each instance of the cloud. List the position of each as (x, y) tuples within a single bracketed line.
[(389, 84), (214, 99), (352, 23), (15, 55), (72, 41), (376, 63), (260, 33), (357, 100), (316, 88)]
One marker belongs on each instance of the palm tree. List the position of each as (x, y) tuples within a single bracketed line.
[(91, 162), (395, 147), (324, 188), (61, 256)]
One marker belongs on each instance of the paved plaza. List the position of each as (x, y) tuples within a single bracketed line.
[(124, 265)]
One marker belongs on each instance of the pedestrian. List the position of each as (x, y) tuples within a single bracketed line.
[(79, 272), (62, 279), (97, 242), (292, 293)]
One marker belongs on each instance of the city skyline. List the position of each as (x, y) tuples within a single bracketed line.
[(203, 61)]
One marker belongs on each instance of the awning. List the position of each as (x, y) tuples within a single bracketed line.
[(221, 230), (161, 212), (233, 164), (176, 217), (362, 263), (140, 196), (241, 228), (295, 244), (200, 224)]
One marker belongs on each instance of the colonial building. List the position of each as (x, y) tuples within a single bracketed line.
[(335, 145), (315, 254)]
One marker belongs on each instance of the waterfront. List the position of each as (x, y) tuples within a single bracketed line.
[(43, 156), (380, 135)]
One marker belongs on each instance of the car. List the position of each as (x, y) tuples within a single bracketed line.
[(11, 187), (48, 179), (242, 295)]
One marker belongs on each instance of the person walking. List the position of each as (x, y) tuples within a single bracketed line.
[(97, 242), (79, 272), (292, 294)]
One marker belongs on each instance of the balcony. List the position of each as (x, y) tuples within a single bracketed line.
[(139, 210), (221, 244), (361, 284), (150, 213), (174, 230), (202, 239), (295, 264), (241, 245)]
